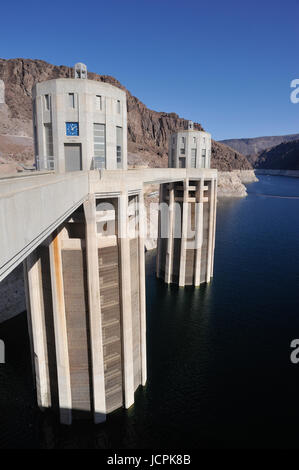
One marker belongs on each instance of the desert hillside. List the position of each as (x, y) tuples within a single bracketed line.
[(252, 147), (148, 130), (284, 156)]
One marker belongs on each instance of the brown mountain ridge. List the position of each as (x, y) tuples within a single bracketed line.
[(148, 130)]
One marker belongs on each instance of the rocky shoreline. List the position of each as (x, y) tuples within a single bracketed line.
[(232, 183), (291, 173)]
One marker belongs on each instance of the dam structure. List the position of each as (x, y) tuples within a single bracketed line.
[(78, 225), (186, 249)]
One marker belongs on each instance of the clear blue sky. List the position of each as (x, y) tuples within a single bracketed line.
[(226, 64)]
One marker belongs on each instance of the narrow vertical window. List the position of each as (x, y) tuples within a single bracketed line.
[(47, 102), (193, 158), (119, 144), (48, 140), (203, 158), (72, 100), (98, 102), (99, 142), (118, 106), (182, 162), (182, 151), (49, 146)]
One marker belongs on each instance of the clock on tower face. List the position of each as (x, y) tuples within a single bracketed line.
[(72, 128)]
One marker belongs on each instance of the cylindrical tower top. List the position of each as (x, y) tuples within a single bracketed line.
[(189, 148), (79, 125)]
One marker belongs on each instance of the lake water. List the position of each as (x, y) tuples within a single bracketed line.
[(219, 370)]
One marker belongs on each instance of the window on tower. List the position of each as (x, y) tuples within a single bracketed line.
[(72, 100), (203, 158), (99, 143), (119, 144), (98, 102), (182, 150), (47, 102)]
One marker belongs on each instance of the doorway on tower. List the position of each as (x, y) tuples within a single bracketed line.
[(182, 162), (73, 157)]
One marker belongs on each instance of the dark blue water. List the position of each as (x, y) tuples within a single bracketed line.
[(219, 373)]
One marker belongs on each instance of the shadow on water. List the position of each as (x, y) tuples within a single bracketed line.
[(219, 373)]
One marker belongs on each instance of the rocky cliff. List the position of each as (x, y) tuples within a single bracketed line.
[(225, 158), (252, 147), (148, 130), (282, 157)]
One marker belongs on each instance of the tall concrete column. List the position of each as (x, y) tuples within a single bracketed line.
[(37, 329), (198, 230), (95, 319), (159, 241), (142, 221), (127, 327), (184, 234), (60, 328), (214, 227), (211, 230), (169, 250)]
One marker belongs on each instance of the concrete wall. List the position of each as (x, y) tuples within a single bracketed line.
[(59, 290)]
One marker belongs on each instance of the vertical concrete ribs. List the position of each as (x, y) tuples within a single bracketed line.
[(93, 323), (186, 232)]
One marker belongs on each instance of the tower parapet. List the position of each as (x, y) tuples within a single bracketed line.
[(189, 148)]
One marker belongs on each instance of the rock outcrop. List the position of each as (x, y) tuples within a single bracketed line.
[(282, 157), (253, 146), (225, 158), (231, 183)]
